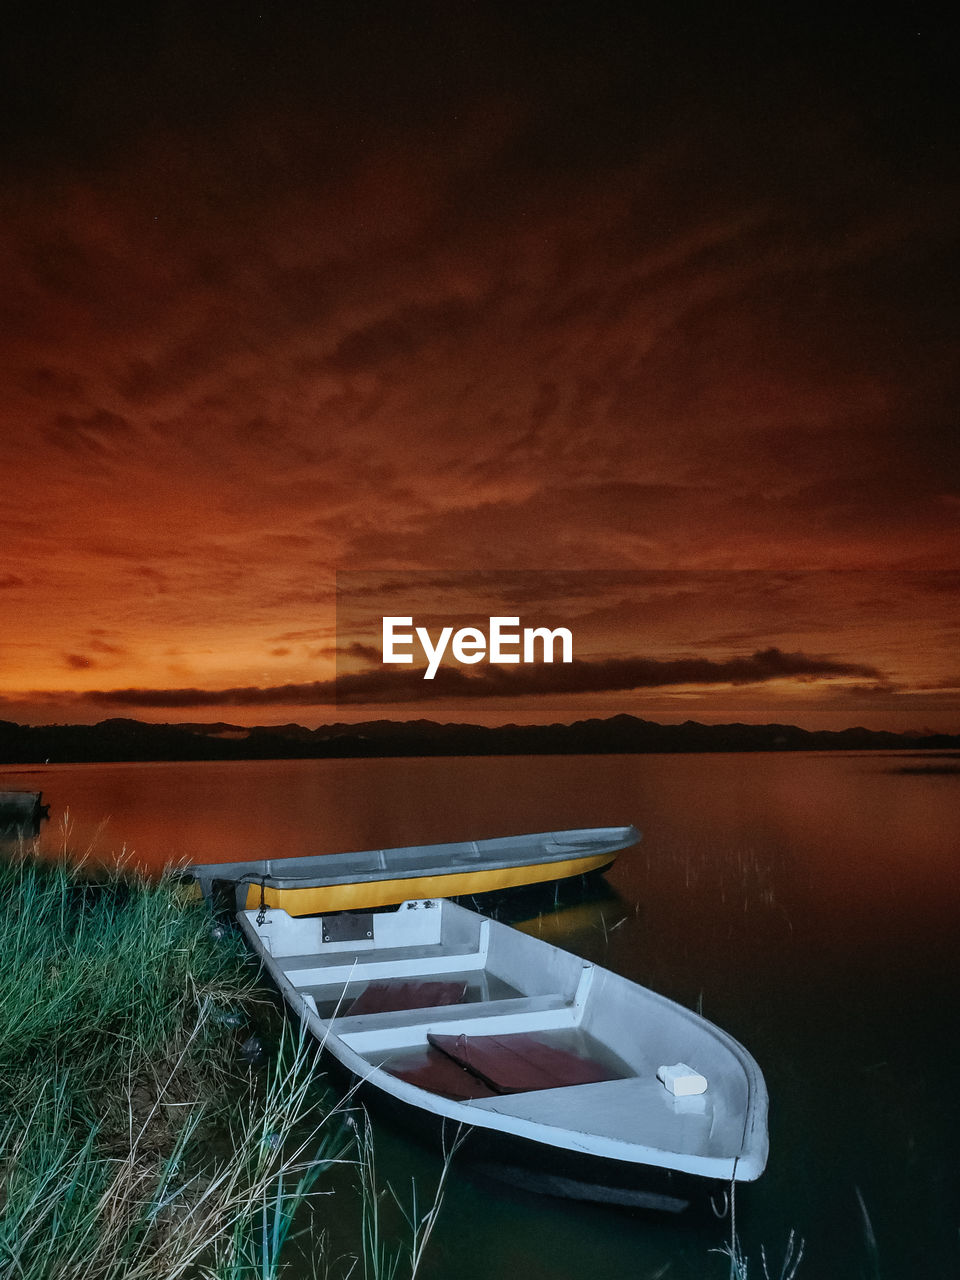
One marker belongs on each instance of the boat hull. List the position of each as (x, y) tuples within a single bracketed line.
[(549, 1063), (376, 878), (353, 895), (530, 1166), (21, 813)]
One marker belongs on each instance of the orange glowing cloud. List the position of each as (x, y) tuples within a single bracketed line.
[(538, 311)]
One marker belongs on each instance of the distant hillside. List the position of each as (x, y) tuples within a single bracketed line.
[(124, 739)]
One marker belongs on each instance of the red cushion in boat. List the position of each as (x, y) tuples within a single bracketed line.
[(517, 1063), (388, 997), (438, 1073)]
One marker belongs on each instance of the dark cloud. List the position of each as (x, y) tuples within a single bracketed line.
[(398, 337), (78, 661), (388, 685), (366, 653), (309, 635), (52, 383), (610, 675), (873, 690), (314, 693), (157, 579), (143, 381), (441, 286), (96, 433), (10, 581), (104, 646)]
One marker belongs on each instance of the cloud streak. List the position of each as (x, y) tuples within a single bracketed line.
[(579, 676)]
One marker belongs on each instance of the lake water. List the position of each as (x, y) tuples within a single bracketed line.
[(808, 904)]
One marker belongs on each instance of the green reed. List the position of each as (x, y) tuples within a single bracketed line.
[(131, 1143)]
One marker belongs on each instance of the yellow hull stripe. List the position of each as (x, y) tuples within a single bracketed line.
[(354, 895)]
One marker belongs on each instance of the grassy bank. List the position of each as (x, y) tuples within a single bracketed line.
[(133, 1143)]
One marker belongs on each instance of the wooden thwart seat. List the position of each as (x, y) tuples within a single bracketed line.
[(378, 963), (437, 1073), (518, 1063), (390, 997), (467, 1067)]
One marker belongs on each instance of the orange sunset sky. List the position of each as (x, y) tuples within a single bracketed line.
[(640, 323)]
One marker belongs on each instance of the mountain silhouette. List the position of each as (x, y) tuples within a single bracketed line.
[(126, 739)]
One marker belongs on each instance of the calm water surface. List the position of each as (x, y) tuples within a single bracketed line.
[(807, 903)]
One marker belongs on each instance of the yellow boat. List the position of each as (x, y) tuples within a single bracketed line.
[(384, 877)]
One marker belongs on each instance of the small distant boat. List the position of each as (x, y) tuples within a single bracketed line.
[(21, 812), (385, 877), (573, 1081)]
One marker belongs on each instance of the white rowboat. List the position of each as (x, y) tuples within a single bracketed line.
[(586, 1083)]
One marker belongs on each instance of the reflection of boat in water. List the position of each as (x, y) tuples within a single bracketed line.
[(21, 813), (528, 902), (385, 877), (573, 1080)]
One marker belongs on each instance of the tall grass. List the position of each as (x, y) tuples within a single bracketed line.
[(740, 1263), (130, 1145), (133, 1146), (102, 974)]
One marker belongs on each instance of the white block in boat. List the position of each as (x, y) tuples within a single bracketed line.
[(682, 1081)]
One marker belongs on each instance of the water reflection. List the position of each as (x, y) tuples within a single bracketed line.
[(808, 904)]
